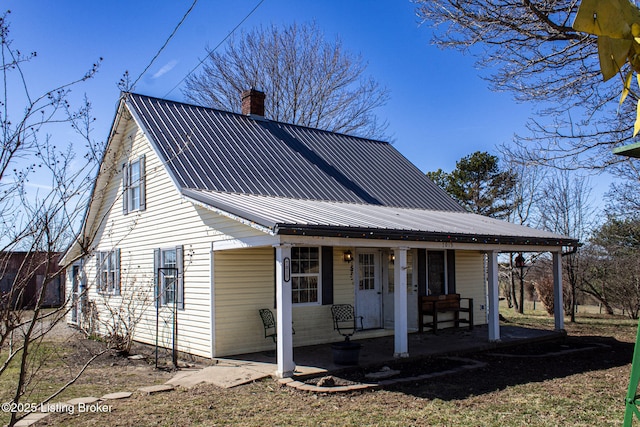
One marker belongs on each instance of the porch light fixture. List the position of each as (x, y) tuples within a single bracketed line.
[(347, 256)]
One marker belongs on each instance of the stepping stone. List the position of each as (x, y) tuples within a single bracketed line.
[(117, 395), (84, 400), (380, 375), (30, 419), (156, 388)]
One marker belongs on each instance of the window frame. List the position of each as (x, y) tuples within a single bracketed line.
[(160, 281), (108, 272), (131, 188), (317, 275), (166, 280)]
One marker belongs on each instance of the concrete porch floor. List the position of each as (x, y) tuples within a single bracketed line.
[(317, 359)]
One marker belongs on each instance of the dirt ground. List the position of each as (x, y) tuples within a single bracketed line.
[(518, 387), (62, 356)]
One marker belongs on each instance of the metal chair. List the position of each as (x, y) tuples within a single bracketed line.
[(269, 323), (345, 321)]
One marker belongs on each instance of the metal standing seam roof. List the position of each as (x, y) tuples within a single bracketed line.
[(297, 180), (214, 150), (343, 219)]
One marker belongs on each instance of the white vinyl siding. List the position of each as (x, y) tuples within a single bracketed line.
[(470, 282), (168, 221), (243, 279), (244, 283)]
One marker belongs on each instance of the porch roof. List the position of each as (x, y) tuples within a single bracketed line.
[(287, 216)]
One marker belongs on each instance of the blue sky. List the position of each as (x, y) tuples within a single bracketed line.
[(440, 109)]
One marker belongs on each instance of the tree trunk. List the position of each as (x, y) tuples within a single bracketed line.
[(521, 308), (513, 283)]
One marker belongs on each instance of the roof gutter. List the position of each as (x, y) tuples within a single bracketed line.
[(574, 249), (419, 236)]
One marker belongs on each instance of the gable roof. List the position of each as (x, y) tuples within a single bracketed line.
[(213, 150), (292, 180)]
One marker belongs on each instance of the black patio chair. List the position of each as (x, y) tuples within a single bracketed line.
[(269, 323), (345, 320)]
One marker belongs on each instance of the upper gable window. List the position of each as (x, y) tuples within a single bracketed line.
[(133, 184)]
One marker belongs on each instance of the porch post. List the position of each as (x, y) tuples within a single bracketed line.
[(558, 306), (284, 345), (401, 337), (492, 279)]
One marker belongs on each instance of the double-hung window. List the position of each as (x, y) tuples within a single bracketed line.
[(133, 184), (108, 272), (168, 265), (168, 276), (305, 274)]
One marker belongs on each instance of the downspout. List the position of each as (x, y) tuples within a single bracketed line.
[(573, 250)]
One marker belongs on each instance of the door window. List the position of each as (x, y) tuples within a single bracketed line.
[(367, 272)]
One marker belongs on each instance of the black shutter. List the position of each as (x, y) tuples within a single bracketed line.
[(422, 272), (143, 184), (451, 271), (125, 188), (327, 275), (180, 277), (117, 275), (99, 285)]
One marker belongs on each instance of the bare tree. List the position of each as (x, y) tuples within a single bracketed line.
[(308, 80), (613, 272), (567, 210), (532, 51), (43, 185), (527, 195)]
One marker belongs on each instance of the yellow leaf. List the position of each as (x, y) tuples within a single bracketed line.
[(634, 56), (626, 87), (611, 18), (613, 54), (636, 126)]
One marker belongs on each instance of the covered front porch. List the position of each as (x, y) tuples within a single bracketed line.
[(292, 263), (317, 359), (401, 288)]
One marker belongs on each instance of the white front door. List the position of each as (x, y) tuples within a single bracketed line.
[(369, 289), (389, 289)]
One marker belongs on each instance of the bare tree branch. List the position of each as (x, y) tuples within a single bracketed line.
[(530, 50), (308, 80)]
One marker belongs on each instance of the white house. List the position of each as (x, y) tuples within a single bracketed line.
[(214, 215)]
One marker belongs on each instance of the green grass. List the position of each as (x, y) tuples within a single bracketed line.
[(43, 374)]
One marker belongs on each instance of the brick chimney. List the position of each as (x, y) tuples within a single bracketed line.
[(253, 102)]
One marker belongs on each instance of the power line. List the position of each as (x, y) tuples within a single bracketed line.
[(214, 49), (165, 44)]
